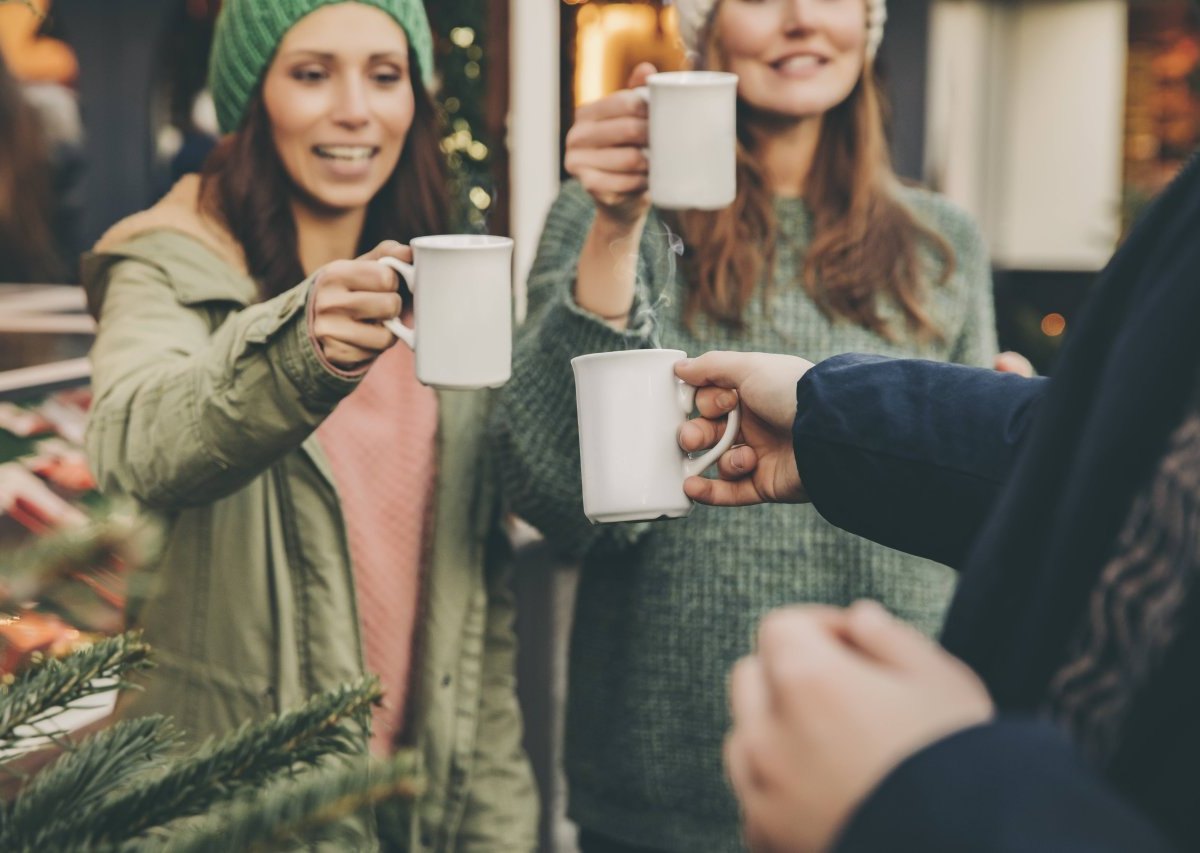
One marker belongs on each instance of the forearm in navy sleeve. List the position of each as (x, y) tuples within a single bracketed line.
[(1010, 786), (909, 453)]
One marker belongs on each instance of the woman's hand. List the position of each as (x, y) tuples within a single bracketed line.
[(1014, 362), (350, 299), (605, 151)]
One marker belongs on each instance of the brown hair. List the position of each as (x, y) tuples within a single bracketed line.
[(245, 185), (26, 191), (866, 241)]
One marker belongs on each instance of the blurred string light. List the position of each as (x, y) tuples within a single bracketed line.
[(460, 28), (1054, 325)]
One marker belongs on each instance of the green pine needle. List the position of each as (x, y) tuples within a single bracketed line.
[(298, 808), (248, 759), (81, 779), (38, 692)]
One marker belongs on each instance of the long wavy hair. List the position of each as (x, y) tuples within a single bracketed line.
[(244, 185), (27, 252), (866, 242)]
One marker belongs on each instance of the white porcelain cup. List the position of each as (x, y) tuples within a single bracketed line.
[(693, 139), (462, 310), (631, 406)]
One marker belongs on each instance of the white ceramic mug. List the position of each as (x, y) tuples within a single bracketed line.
[(631, 406), (462, 310), (693, 139)]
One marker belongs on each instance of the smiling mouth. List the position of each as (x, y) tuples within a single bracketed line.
[(801, 62), (346, 153)]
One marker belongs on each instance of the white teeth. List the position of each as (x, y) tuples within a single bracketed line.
[(345, 152), (798, 63)]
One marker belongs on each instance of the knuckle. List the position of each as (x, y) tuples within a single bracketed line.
[(774, 630)]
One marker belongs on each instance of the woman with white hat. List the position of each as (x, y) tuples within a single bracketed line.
[(823, 251)]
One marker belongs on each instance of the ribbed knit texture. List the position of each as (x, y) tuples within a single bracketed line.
[(664, 609), (249, 31), (378, 441)]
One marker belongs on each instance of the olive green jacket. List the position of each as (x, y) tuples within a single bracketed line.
[(205, 407)]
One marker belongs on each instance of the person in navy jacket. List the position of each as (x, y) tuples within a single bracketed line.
[(1062, 711)]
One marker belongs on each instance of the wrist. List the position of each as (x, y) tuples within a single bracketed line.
[(614, 227)]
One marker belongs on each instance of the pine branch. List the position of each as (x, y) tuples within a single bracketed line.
[(298, 808), (40, 691), (254, 755), (83, 778), (121, 536)]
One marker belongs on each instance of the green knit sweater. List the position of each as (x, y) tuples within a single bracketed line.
[(665, 608)]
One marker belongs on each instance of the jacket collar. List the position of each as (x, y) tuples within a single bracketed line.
[(195, 239)]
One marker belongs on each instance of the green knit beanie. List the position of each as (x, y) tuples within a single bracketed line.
[(249, 31)]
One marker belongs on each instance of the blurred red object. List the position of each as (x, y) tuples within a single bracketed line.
[(29, 632)]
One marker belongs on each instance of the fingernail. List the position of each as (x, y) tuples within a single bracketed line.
[(725, 401)]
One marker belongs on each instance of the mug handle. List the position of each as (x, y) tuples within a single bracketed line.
[(643, 92), (694, 466), (408, 273)]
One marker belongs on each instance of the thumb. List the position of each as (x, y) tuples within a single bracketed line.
[(878, 634), (722, 369), (389, 249), (640, 73)]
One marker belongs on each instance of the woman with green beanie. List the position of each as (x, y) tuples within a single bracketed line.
[(327, 514)]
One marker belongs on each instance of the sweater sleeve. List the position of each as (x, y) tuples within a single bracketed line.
[(535, 428), (975, 344), (1011, 786), (910, 454)]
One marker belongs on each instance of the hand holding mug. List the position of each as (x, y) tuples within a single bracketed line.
[(761, 467), (606, 151), (351, 299)]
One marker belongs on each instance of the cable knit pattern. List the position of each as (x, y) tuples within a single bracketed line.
[(664, 609)]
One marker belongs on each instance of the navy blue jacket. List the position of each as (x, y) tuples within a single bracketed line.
[(1023, 485)]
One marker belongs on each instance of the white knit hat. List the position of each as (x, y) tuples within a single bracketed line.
[(694, 15)]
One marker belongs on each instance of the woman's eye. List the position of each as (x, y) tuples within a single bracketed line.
[(388, 77), (309, 75)]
